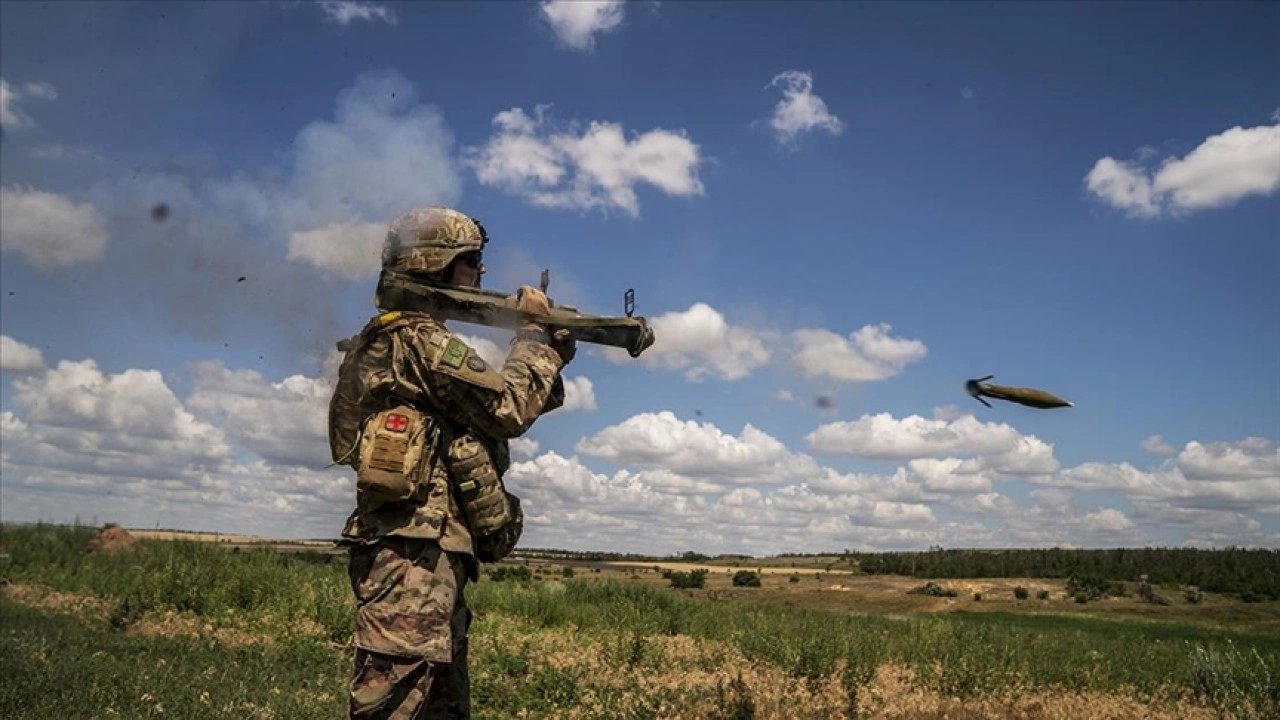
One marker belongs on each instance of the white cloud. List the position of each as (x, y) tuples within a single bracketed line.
[(1222, 170), (800, 111), (10, 116), (344, 12), (523, 448), (577, 22), (868, 354), (350, 249), (701, 342), (784, 395), (50, 230), (578, 395), (15, 357), (993, 447), (596, 168), (697, 450), (947, 412), (1236, 476), (1157, 446), (285, 423), (103, 418), (1249, 458)]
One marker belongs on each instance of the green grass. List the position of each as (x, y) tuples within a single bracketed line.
[(303, 603), (58, 666)]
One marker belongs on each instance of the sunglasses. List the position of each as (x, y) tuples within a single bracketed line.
[(471, 260)]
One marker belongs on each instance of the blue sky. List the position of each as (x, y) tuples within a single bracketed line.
[(866, 203)]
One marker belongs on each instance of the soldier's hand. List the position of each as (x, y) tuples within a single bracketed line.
[(529, 299), (565, 345)]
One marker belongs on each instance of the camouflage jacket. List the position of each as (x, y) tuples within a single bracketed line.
[(408, 357)]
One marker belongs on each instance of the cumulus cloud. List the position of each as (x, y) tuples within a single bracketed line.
[(884, 437), (285, 423), (123, 447), (1156, 445), (598, 167), (870, 353), (1249, 458), (11, 116), (50, 230), (345, 12), (1234, 476), (800, 110), (20, 359), (698, 450), (579, 394), (95, 419), (523, 448), (1222, 170), (578, 22), (702, 343)]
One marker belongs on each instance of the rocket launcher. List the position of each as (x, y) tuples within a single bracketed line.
[(398, 291)]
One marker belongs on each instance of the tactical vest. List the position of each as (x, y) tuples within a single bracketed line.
[(392, 440)]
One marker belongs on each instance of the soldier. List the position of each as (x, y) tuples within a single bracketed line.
[(425, 423)]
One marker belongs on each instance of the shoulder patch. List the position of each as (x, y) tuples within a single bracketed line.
[(454, 354), (460, 362)]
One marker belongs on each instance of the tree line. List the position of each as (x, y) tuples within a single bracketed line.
[(1253, 574)]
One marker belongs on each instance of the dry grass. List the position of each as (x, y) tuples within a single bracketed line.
[(701, 673)]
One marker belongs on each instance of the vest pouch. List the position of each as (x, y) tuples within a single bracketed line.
[(493, 547), (484, 499), (392, 446)]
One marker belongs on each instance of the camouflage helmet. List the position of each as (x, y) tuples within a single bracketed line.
[(426, 240)]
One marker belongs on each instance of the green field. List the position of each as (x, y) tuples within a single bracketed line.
[(181, 629)]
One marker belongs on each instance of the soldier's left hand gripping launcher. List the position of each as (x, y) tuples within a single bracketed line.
[(398, 291)]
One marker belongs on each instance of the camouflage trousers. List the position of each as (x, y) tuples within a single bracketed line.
[(411, 631)]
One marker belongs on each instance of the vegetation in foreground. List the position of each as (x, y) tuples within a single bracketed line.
[(207, 632)]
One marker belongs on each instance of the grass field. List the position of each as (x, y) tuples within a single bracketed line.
[(183, 629)]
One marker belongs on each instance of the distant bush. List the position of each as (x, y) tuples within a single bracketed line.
[(1082, 597), (1094, 587), (567, 572), (1191, 594), (746, 578), (794, 579), (1042, 594), (977, 597), (518, 573), (1021, 593), (692, 580), (932, 589)]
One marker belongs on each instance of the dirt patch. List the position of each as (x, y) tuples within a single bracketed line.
[(43, 598), (172, 624), (112, 539)]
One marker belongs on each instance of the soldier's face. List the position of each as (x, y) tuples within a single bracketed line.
[(467, 270)]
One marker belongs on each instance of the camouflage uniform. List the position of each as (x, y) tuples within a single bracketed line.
[(410, 560)]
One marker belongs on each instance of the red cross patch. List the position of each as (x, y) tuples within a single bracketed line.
[(396, 423)]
